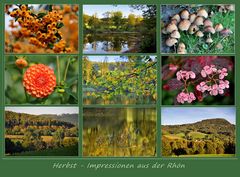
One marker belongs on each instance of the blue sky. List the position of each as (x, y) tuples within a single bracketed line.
[(43, 110), (100, 9), (109, 58), (177, 115)]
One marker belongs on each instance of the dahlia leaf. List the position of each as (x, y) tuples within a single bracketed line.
[(71, 81), (74, 95)]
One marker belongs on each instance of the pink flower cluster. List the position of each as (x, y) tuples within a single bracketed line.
[(214, 89), (185, 75), (222, 73), (219, 84), (185, 97), (214, 83), (208, 70)]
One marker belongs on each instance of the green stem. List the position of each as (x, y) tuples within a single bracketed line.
[(66, 70), (58, 70), (26, 95)]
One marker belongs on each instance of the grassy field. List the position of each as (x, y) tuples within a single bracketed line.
[(46, 139), (65, 151), (194, 135), (197, 135), (172, 136)]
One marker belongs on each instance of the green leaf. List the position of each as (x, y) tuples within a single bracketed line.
[(50, 8), (74, 95), (59, 25), (58, 36), (50, 45), (33, 15), (41, 15), (16, 19), (15, 9), (71, 81)]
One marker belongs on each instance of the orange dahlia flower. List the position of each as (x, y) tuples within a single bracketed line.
[(39, 80)]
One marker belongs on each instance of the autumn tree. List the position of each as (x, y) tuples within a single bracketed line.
[(58, 137)]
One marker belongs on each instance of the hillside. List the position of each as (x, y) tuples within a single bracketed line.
[(61, 119), (40, 134), (72, 118), (209, 136), (207, 126)]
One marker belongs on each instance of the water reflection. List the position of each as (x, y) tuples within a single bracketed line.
[(111, 43), (119, 132)]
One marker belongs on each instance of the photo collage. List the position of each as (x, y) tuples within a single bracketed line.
[(127, 80)]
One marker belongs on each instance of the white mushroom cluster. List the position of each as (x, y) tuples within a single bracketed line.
[(198, 24), (226, 8)]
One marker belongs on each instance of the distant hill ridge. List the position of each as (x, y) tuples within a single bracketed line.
[(71, 118), (208, 126), (215, 121)]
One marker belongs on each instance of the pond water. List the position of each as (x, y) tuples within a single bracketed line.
[(119, 132), (111, 43)]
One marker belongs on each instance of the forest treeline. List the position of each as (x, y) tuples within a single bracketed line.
[(211, 136), (26, 132)]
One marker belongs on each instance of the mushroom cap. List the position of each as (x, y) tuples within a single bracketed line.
[(184, 14), (174, 21), (184, 25), (171, 41), (230, 7), (218, 27), (209, 29), (202, 13), (207, 22), (192, 17), (198, 21), (181, 48), (226, 32), (171, 27), (164, 30), (176, 17), (182, 51), (209, 40), (193, 28), (219, 46), (199, 34), (175, 34), (222, 9)]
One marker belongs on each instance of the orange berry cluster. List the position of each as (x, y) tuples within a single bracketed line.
[(42, 29)]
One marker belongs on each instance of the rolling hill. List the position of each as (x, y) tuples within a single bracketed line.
[(211, 137), (217, 126)]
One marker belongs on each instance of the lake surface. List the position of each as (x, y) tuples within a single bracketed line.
[(111, 43), (119, 132)]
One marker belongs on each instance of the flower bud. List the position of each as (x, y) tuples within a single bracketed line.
[(21, 63)]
